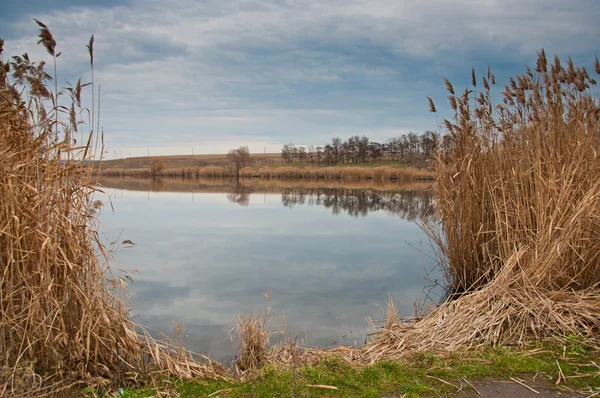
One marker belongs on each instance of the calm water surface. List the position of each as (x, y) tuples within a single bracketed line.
[(205, 252)]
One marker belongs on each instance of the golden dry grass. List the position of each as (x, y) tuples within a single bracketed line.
[(254, 185), (340, 172), (177, 162), (251, 333), (63, 321), (184, 172), (518, 205), (518, 202), (267, 172)]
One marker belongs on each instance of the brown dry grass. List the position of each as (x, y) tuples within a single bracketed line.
[(63, 321), (251, 333), (340, 172), (266, 172), (518, 203), (254, 185), (177, 162), (183, 172)]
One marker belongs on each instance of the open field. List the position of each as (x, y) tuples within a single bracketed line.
[(183, 161)]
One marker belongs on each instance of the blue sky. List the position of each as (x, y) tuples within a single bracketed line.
[(215, 74)]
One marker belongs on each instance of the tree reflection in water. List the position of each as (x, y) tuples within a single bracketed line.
[(410, 205), (356, 198), (239, 194)]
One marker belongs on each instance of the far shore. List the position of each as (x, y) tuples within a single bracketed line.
[(263, 166), (253, 185)]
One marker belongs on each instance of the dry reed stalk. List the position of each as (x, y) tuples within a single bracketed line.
[(62, 318), (337, 172), (524, 176), (252, 335), (202, 184), (518, 202), (180, 172), (284, 172)]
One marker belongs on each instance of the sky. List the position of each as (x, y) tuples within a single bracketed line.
[(210, 75)]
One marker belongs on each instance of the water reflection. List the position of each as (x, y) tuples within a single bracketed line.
[(410, 205), (239, 194), (206, 250), (358, 198)]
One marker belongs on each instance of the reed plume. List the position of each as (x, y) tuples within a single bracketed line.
[(518, 204), (63, 321)]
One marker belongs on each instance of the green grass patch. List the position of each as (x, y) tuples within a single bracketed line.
[(422, 375)]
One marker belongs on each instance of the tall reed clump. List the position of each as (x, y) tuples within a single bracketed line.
[(518, 204), (524, 175), (252, 335), (62, 321)]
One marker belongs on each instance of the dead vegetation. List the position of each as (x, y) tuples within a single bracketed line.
[(518, 203), (187, 166), (62, 319), (517, 232), (254, 185), (339, 172), (380, 173)]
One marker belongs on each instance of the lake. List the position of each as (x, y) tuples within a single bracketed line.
[(330, 252)]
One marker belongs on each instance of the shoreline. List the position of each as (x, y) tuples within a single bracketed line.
[(380, 173), (539, 370)]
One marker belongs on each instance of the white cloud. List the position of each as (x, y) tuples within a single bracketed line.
[(293, 70)]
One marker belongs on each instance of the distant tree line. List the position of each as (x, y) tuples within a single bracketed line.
[(359, 149)]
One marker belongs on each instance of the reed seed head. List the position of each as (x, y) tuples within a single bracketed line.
[(449, 87), (90, 47), (542, 62), (46, 38), (431, 105)]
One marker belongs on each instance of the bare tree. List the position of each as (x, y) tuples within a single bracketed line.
[(156, 166), (239, 159)]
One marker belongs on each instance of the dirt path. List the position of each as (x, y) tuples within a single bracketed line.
[(511, 389)]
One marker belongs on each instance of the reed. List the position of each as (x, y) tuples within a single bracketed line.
[(196, 172), (255, 185), (339, 172), (525, 177), (117, 172), (63, 321), (183, 172), (251, 333), (282, 172), (518, 204)]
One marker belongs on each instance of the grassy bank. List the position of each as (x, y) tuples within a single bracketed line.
[(256, 185), (63, 318), (262, 166), (567, 368), (183, 161), (341, 172), (282, 172)]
